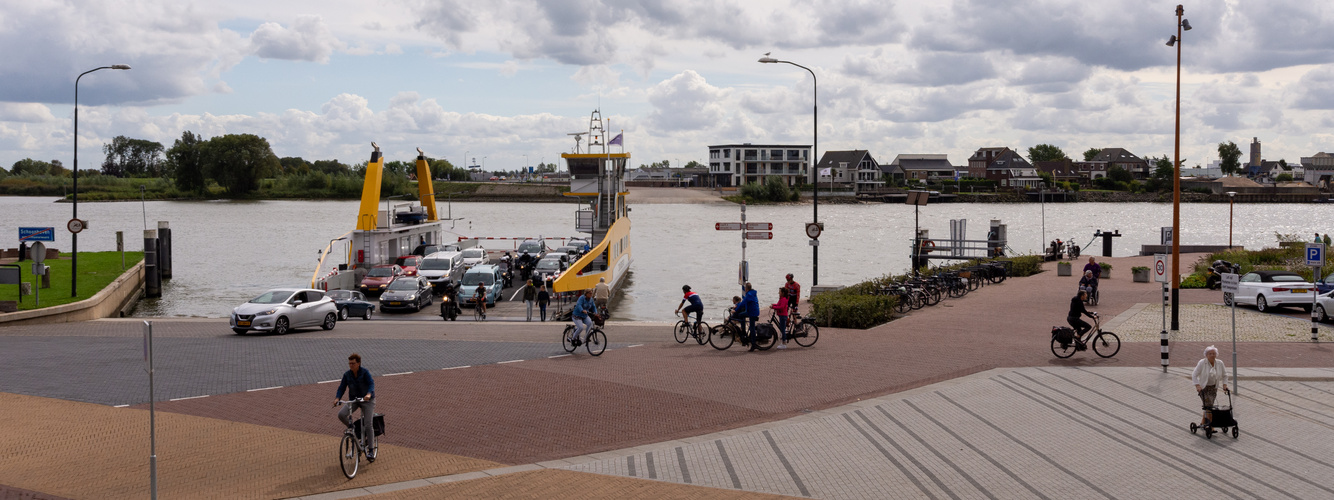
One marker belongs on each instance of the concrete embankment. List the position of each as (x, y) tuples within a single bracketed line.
[(116, 300)]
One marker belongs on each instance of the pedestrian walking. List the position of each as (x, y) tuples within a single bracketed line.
[(1317, 238), (782, 308), (1209, 372), (601, 293), (542, 299), (793, 293), (1093, 267), (529, 295), (1326, 238)]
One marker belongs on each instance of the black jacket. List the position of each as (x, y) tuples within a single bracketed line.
[(1077, 308)]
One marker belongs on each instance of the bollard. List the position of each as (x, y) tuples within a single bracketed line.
[(164, 249), (120, 247), (1162, 342), (152, 280)]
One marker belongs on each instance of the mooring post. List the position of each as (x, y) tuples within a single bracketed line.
[(152, 279)]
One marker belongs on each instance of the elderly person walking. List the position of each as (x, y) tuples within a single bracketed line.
[(1207, 375)]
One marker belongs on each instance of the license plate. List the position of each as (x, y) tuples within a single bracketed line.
[(242, 323), (395, 303), (1299, 290), (373, 288)]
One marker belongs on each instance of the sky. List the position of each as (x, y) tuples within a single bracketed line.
[(502, 82)]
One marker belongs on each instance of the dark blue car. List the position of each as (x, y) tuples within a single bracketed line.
[(351, 303)]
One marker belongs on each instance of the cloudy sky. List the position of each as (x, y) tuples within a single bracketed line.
[(501, 79)]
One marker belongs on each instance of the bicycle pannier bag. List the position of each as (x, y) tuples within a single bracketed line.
[(1064, 335)]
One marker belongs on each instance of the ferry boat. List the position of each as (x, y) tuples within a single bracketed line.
[(597, 180)]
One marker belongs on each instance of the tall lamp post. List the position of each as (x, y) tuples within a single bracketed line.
[(1182, 24), (811, 164), (74, 237), (1231, 200)]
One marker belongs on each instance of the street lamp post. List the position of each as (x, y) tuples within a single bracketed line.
[(1231, 200), (74, 237), (1175, 40), (811, 162)]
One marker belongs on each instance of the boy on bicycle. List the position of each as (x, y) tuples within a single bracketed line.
[(359, 384), (696, 305)]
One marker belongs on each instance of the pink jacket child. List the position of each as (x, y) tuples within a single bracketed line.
[(781, 308)]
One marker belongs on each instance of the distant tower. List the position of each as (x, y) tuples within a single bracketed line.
[(1255, 152)]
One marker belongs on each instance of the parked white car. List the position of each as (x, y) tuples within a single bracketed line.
[(472, 257), (1268, 289), (281, 310), (1324, 304)]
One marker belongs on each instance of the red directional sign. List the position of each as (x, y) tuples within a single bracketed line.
[(759, 235), (759, 226), (727, 226)]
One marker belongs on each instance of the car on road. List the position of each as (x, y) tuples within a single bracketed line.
[(440, 268), (485, 274), (1269, 289), (473, 256), (407, 293), (283, 309), (1324, 306), (534, 249), (378, 278), (409, 264), (351, 303), (549, 269)]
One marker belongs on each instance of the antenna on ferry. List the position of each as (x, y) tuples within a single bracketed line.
[(578, 136)]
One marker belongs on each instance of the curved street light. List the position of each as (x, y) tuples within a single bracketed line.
[(1175, 40), (74, 237), (811, 163)]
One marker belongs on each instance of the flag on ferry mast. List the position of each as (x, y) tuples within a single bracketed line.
[(616, 141)]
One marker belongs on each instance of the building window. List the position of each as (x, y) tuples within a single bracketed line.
[(727, 153)]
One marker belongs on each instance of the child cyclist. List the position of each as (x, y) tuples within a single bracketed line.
[(696, 305)]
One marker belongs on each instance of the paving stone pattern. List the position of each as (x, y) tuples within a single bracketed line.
[(1213, 323), (1028, 433)]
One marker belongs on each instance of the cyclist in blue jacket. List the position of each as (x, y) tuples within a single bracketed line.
[(751, 302), (359, 384)]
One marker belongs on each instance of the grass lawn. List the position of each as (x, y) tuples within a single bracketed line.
[(96, 271)]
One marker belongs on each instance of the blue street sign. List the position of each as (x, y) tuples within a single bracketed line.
[(1315, 254), (37, 234)]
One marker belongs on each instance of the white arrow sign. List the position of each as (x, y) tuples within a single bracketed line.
[(759, 226), (727, 226), (759, 235)]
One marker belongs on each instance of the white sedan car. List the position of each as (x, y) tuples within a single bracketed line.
[(1324, 304), (281, 310), (473, 257), (1267, 289)]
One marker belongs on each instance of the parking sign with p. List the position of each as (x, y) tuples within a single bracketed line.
[(1315, 254)]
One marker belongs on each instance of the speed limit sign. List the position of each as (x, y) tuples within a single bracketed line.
[(1160, 268)]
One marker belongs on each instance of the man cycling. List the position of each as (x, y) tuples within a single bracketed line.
[(1076, 310), (583, 308), (479, 296), (359, 384), (696, 305)]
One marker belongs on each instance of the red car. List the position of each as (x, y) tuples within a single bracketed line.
[(378, 278), (409, 264)]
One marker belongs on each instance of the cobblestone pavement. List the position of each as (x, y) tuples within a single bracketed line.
[(1024, 433), (1213, 323)]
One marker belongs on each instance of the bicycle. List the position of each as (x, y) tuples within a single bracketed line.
[(684, 331), (802, 330), (1064, 345), (353, 446), (723, 336), (479, 308), (595, 343)]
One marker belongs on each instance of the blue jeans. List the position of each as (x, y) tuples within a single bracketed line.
[(782, 327), (582, 325)]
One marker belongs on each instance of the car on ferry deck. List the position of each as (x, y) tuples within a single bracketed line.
[(351, 303), (548, 269), (424, 249), (574, 252), (488, 276), (440, 268), (473, 256), (407, 293), (409, 264), (534, 249), (282, 309), (378, 278)]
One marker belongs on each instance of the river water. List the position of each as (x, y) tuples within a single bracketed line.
[(225, 252)]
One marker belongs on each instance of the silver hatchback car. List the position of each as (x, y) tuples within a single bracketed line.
[(282, 309)]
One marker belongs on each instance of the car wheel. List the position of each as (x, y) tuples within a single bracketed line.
[(330, 320), (366, 314), (1320, 313), (1261, 304), (342, 314), (1227, 299), (281, 326), (240, 331)]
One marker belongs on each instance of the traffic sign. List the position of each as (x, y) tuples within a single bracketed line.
[(1160, 268), (759, 235), (1315, 254), (727, 226), (37, 252), (37, 234), (759, 226), (1230, 281)]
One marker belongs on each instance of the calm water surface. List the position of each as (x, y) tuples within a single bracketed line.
[(227, 251)]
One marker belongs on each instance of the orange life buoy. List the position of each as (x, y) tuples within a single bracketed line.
[(928, 246)]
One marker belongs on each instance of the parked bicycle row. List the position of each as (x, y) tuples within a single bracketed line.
[(915, 293)]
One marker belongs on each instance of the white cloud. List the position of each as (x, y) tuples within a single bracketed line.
[(308, 39), (30, 112)]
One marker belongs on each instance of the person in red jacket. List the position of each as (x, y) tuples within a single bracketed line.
[(782, 308)]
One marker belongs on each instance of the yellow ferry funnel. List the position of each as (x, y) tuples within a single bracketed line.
[(426, 186), (370, 191)]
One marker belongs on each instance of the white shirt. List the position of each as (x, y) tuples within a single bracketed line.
[(1205, 375)]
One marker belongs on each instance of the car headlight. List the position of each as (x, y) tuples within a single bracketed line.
[(410, 297), (268, 312)]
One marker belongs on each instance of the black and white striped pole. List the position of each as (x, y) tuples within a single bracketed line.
[(1315, 257), (1230, 281), (1160, 275)]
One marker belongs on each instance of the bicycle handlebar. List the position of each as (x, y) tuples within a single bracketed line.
[(342, 402)]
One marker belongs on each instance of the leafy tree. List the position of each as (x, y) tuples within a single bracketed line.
[(1045, 152), (127, 157), (694, 164), (443, 170), (657, 164), (543, 168), (1118, 174), (1048, 179), (1162, 168), (238, 161), (1281, 163), (1091, 153), (186, 162), (293, 165), (332, 167), (1283, 177), (1229, 153), (29, 166)]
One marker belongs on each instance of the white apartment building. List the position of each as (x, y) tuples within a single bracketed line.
[(738, 164)]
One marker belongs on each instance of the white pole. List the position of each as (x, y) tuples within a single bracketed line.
[(152, 412), (1235, 383)]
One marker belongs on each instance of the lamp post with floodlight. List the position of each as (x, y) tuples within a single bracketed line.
[(74, 237), (1182, 24), (811, 164)]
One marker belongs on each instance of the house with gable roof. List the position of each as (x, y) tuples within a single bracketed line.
[(855, 169)]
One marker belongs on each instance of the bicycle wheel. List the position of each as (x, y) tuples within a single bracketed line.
[(348, 455), (1062, 352), (476, 313), (902, 303), (806, 334), (721, 337), (934, 296), (681, 332), (565, 338), (918, 299), (597, 341), (1106, 344), (701, 332)]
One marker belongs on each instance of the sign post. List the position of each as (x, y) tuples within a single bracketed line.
[(1315, 257), (152, 410), (749, 231), (1230, 281), (1160, 275)]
